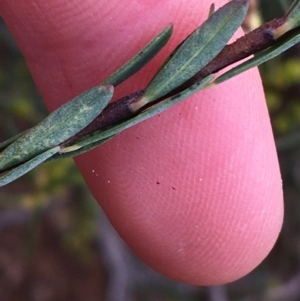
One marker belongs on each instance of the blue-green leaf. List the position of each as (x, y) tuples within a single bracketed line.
[(22, 169), (60, 125), (142, 58), (293, 14), (198, 49), (292, 20), (102, 136)]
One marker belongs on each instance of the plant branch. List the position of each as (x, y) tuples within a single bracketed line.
[(249, 44)]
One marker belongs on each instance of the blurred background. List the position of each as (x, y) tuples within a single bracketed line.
[(55, 242)]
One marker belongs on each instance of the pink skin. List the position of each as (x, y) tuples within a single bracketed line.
[(195, 192)]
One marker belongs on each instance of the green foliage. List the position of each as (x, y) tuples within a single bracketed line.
[(73, 129), (22, 169), (261, 57), (59, 126), (50, 191), (205, 43), (293, 13), (140, 59)]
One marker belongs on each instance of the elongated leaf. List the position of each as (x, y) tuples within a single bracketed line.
[(62, 124), (79, 149), (27, 166), (142, 58), (293, 5), (293, 18), (198, 50), (95, 139), (101, 136), (259, 58)]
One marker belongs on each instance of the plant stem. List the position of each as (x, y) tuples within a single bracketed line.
[(249, 44)]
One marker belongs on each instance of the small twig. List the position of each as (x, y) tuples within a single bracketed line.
[(249, 44), (113, 113)]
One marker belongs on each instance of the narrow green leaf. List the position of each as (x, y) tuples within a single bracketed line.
[(102, 135), (198, 49), (79, 149), (293, 14), (27, 166), (293, 5), (292, 20), (62, 124), (259, 58), (142, 58)]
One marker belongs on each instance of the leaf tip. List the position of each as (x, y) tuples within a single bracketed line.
[(212, 9), (241, 3), (106, 88), (244, 1), (169, 29), (170, 26)]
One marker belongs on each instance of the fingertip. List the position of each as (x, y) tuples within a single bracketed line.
[(196, 191)]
